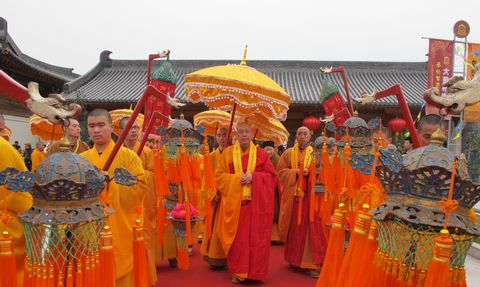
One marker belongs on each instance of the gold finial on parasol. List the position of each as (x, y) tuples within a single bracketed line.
[(244, 60)]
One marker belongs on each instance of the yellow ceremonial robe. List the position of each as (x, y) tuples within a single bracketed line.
[(211, 247), (37, 157), (127, 202), (16, 202), (150, 210)]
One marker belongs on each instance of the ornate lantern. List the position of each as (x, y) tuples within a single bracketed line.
[(397, 125), (312, 123)]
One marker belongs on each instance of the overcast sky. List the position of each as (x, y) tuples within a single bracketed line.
[(73, 33)]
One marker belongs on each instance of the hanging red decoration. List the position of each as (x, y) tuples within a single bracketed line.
[(312, 122), (397, 125)]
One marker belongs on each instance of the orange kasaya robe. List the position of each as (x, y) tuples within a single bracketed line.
[(150, 210), (15, 203), (305, 242), (37, 157), (246, 212), (211, 247), (127, 202)]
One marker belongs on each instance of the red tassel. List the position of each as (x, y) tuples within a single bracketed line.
[(335, 248), (437, 271), (107, 260), (367, 267), (51, 276), (27, 273), (140, 265), (8, 266), (79, 278), (60, 280)]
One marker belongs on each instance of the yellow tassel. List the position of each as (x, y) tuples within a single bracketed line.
[(107, 260), (8, 266), (334, 256), (140, 265)]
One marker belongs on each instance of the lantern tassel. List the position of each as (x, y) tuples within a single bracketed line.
[(107, 260), (7, 261), (335, 249), (140, 265)]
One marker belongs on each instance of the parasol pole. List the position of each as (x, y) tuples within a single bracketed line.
[(149, 91), (215, 136), (231, 123), (154, 116)]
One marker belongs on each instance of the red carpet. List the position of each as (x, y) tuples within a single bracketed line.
[(200, 275)]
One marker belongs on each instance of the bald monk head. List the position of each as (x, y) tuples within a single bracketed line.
[(303, 137), (221, 137), (100, 128), (244, 135)]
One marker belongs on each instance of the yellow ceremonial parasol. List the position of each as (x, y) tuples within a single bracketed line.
[(238, 88), (211, 120), (44, 129), (267, 129), (118, 115)]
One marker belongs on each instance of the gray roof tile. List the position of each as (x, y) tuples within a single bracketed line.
[(123, 81)]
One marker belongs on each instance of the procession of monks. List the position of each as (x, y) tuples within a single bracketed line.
[(256, 192)]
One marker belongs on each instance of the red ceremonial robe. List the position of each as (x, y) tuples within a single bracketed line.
[(305, 242), (250, 250)]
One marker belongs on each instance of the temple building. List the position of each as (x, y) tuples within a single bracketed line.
[(115, 83), (23, 69)]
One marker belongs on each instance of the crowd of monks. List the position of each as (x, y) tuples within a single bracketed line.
[(261, 198)]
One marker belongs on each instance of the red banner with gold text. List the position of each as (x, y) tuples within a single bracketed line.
[(440, 67)]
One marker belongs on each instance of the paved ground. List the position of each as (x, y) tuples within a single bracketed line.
[(472, 265)]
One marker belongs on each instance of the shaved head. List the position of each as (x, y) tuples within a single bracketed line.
[(303, 137), (221, 137), (244, 134)]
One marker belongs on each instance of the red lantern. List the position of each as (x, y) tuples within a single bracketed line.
[(312, 122), (397, 125)]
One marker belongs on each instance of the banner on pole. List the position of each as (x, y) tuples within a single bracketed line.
[(472, 59), (440, 67)]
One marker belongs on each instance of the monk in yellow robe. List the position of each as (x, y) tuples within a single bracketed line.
[(305, 242), (211, 247), (15, 203), (71, 131), (150, 198), (5, 132), (38, 155), (269, 148), (246, 179), (126, 201)]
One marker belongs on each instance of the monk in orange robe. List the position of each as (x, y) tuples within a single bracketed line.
[(15, 203), (305, 242), (71, 131), (211, 247), (150, 197), (246, 180), (38, 155), (126, 201)]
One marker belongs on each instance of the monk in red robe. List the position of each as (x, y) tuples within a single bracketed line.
[(305, 242), (246, 179)]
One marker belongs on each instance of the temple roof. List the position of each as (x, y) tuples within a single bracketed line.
[(123, 81), (24, 68)]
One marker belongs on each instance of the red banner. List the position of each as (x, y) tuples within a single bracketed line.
[(440, 67), (155, 104), (336, 105)]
